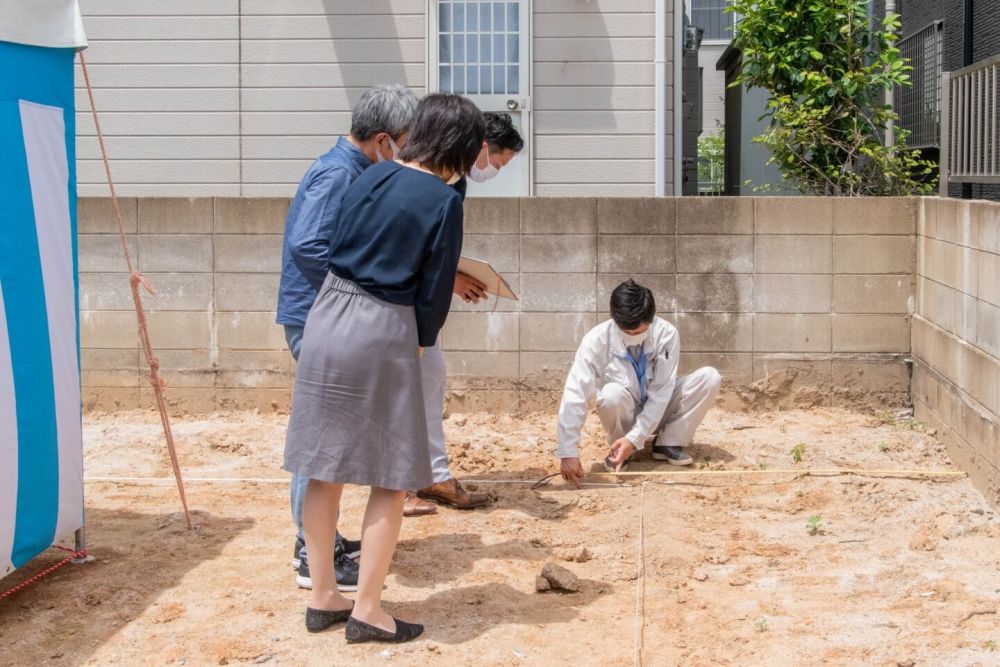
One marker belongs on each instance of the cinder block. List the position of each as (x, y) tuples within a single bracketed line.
[(246, 291), (105, 291), (941, 263), (988, 328), (873, 294), (978, 373), (942, 352), (502, 251), (187, 368), (875, 215), (175, 253), (546, 370), (794, 215), (715, 332), (184, 400), (558, 215), (635, 254), (554, 332), (491, 304), (793, 254), (104, 329), (927, 220), (871, 333), (776, 293), (249, 331), (238, 253), (557, 253), (492, 215), (941, 305), (735, 367), (955, 223), (989, 277), (496, 401), (267, 369), (715, 254), (477, 364), (874, 254), (171, 330), (986, 226), (715, 292), (103, 253), (791, 333), (637, 215), (715, 215), (871, 375), (250, 215), (485, 332), (169, 215), (179, 291), (558, 292), (110, 368), (967, 325), (661, 284), (96, 215), (814, 371)]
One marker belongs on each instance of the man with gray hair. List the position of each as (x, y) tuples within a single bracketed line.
[(380, 123)]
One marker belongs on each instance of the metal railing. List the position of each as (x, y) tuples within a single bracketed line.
[(969, 100), (918, 105)]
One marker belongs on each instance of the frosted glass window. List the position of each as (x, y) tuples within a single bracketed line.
[(479, 47)]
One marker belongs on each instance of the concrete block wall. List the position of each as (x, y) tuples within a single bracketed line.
[(817, 291), (956, 332)]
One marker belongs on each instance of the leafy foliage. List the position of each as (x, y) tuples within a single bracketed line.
[(827, 71)]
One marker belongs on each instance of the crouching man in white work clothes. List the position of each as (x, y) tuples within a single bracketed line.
[(628, 367)]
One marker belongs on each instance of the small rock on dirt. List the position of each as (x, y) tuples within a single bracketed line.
[(739, 581), (561, 578), (581, 555), (905, 663), (699, 575), (261, 659), (542, 584)]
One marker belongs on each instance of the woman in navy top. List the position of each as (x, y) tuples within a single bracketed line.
[(357, 409)]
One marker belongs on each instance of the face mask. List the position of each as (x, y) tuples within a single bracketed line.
[(395, 151), (455, 178), (482, 175), (636, 339)]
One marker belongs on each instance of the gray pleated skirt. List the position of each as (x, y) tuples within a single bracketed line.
[(357, 407)]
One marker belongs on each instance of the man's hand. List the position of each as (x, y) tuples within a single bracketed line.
[(621, 449), (571, 470), (470, 289)]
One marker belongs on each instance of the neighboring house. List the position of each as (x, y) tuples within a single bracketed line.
[(710, 16), (237, 97)]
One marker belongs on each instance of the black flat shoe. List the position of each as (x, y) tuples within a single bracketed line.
[(358, 632), (318, 620)]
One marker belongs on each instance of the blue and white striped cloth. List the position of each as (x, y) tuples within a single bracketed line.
[(41, 459)]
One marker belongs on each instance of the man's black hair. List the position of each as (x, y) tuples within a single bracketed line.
[(632, 305), (501, 134), (447, 134)]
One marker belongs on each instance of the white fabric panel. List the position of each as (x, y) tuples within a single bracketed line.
[(8, 446), (45, 147), (42, 23)]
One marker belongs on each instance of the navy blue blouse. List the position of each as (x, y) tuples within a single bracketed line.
[(399, 237)]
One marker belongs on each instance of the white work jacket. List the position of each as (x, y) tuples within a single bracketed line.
[(602, 358)]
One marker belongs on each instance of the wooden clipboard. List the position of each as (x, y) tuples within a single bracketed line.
[(487, 275)]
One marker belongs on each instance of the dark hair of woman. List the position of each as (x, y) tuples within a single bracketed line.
[(501, 134), (632, 305), (447, 134)]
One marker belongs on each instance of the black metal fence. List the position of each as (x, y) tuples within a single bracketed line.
[(919, 105)]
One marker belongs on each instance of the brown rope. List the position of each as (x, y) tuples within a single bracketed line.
[(135, 281)]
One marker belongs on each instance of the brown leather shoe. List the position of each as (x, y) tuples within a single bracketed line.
[(413, 506), (452, 493)]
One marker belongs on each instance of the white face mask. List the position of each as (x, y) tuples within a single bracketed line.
[(395, 151), (482, 175), (634, 339), (455, 178)]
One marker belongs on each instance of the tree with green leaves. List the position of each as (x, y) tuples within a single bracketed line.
[(827, 69)]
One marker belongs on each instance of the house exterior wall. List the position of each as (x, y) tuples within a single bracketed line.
[(237, 97), (714, 88)]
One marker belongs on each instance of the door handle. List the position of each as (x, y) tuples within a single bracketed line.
[(512, 104)]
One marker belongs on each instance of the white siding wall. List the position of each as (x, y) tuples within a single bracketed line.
[(594, 97), (237, 97), (714, 91)]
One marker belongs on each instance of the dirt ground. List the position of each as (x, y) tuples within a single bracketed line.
[(736, 570)]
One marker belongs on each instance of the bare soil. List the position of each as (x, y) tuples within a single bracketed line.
[(769, 569)]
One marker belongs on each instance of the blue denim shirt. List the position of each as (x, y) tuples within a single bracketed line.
[(305, 255)]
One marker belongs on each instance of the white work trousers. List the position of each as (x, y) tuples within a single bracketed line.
[(693, 395), (434, 374)]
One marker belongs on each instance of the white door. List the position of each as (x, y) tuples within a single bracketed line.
[(482, 49)]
